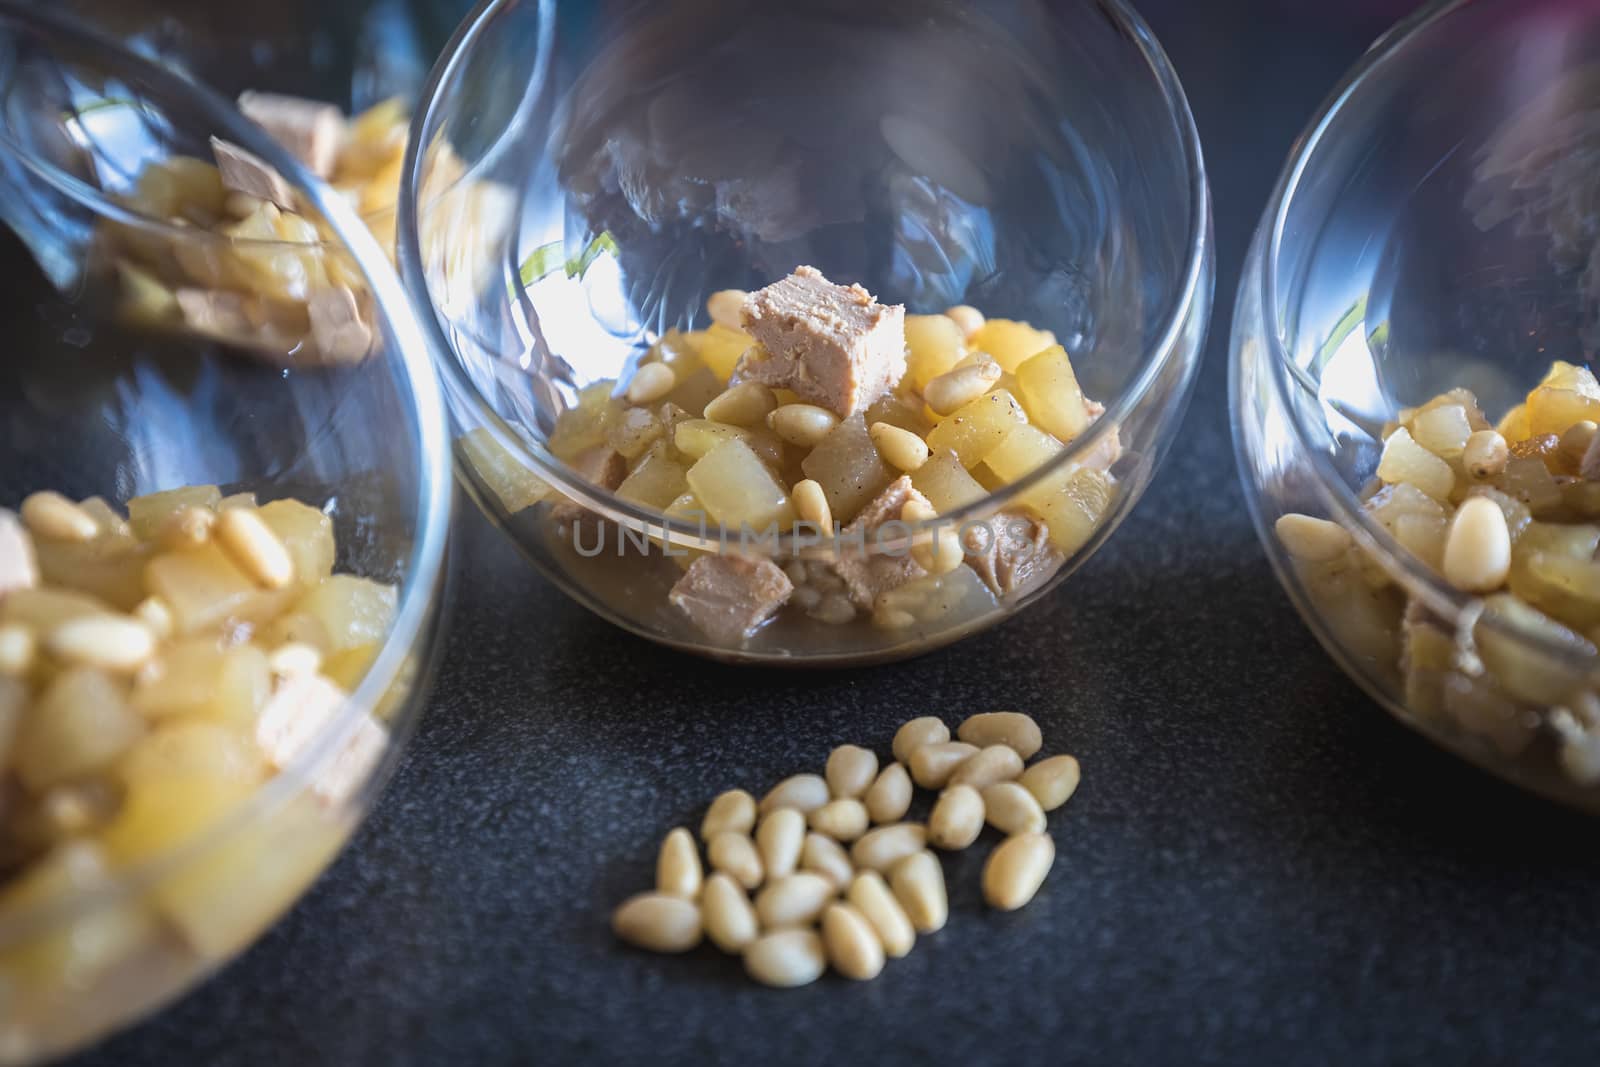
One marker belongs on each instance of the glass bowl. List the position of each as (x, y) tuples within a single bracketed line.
[(615, 165), (95, 405), (1433, 229)]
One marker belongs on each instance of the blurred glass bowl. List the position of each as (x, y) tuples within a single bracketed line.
[(1435, 227), (91, 405), (621, 162)]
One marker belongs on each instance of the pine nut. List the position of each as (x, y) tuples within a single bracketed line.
[(993, 763), (726, 914), (726, 308), (811, 504), (899, 447), (154, 613), (926, 730), (956, 388), (786, 959), (933, 765), (745, 404), (1477, 550), (52, 516), (255, 547), (1011, 809), (1575, 441), (295, 659), (678, 871), (1310, 538), (794, 900), (188, 527), (1485, 455), (882, 848), (956, 819), (1013, 729), (869, 894), (1053, 781), (1016, 869), (918, 884), (850, 770), (853, 946), (18, 649), (889, 797), (657, 923), (735, 855), (108, 642), (650, 383), (779, 839), (969, 318), (804, 793), (802, 424), (941, 551), (733, 810), (843, 820), (825, 856)]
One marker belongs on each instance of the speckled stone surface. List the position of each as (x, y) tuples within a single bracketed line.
[(1260, 866)]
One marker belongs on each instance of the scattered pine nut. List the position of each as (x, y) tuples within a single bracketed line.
[(1477, 550), (957, 818), (1575, 441), (933, 765), (188, 527), (657, 923), (927, 730), (779, 838), (956, 388), (870, 895), (850, 770), (1485, 455), (294, 659), (733, 810), (889, 797), (785, 959), (650, 383), (885, 846), (804, 425), (804, 793), (852, 944), (678, 870), (991, 764), (154, 613), (1010, 728), (726, 914), (1011, 809), (734, 854), (18, 647), (811, 504), (108, 642), (52, 516), (918, 884), (941, 551), (843, 820), (899, 447), (1016, 869), (253, 545), (1052, 781), (794, 899), (1309, 538), (725, 307), (969, 318), (827, 857)]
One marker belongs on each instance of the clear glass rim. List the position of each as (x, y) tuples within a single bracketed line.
[(423, 567), (1342, 501), (1154, 360)]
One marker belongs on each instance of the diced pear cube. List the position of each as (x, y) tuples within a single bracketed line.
[(1514, 426), (200, 678), (975, 430), (81, 724), (1406, 461), (737, 489), (353, 611), (635, 431), (1521, 669), (1010, 343), (70, 954), (656, 482), (1442, 430), (1564, 375), (694, 391), (1552, 410), (517, 487), (190, 748), (848, 467), (307, 533), (934, 344), (696, 437), (719, 349), (110, 568), (149, 513), (348, 666), (946, 483), (1025, 449), (204, 589), (1423, 536), (1049, 391), (1072, 506)]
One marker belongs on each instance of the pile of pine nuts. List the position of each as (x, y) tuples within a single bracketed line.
[(818, 903)]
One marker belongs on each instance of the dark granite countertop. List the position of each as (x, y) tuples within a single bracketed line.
[(1260, 866)]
